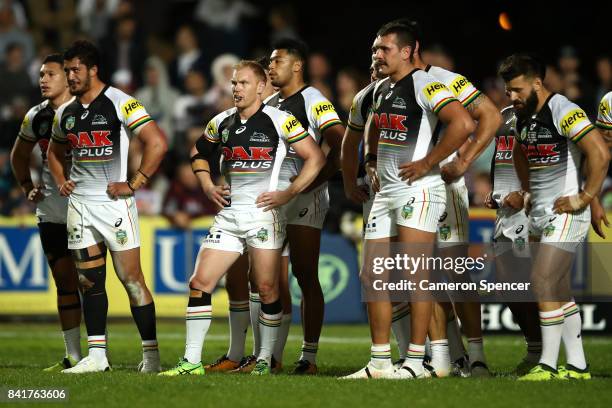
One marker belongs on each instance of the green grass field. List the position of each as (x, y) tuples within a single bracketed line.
[(27, 348)]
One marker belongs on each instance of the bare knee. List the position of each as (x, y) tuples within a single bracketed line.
[(268, 291)]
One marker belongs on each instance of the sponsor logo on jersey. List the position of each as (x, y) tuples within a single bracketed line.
[(303, 212), (542, 153), (459, 84), (85, 114), (118, 222), (70, 122), (290, 124), (254, 153), (130, 107), (503, 150), (433, 89), (322, 108), (399, 103), (99, 120), (91, 144), (391, 126), (259, 138), (240, 130), (571, 119)]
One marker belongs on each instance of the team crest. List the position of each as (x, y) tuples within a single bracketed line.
[(445, 232), (121, 236), (407, 211), (262, 235), (70, 122), (549, 230), (224, 135)]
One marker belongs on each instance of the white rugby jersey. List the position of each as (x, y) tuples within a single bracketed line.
[(315, 112), (405, 113), (549, 139), (253, 150), (361, 107), (36, 128), (99, 137), (465, 93), (505, 179), (604, 113)]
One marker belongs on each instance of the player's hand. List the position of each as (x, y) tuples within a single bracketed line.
[(67, 188), (413, 171), (357, 194), (515, 200), (372, 172), (570, 204), (273, 199), (218, 194), (598, 214), (35, 195), (453, 170), (490, 202), (119, 189)]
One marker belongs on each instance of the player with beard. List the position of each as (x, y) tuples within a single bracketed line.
[(51, 207), (101, 208), (554, 135)]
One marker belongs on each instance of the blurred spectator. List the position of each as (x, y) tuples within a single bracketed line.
[(122, 80), (223, 30), (53, 21), (124, 49), (191, 108), (10, 33), (553, 79), (319, 74), (495, 89), (481, 185), (15, 81), (190, 57), (282, 22), (348, 83), (568, 61), (95, 16), (149, 199), (185, 199), (438, 56), (34, 66), (19, 13), (603, 68), (220, 94), (158, 96)]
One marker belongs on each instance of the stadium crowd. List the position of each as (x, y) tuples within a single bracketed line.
[(182, 77)]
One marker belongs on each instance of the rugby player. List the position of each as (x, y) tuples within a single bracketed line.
[(511, 235), (101, 208), (553, 136), (410, 191), (254, 138), (306, 213), (51, 207), (244, 304)]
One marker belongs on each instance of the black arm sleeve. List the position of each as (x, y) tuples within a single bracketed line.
[(205, 148)]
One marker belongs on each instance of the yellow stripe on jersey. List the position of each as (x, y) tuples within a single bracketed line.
[(298, 137), (356, 128), (443, 103), (603, 124), (330, 123), (471, 98)]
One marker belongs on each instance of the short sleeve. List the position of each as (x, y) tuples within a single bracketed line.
[(463, 90), (211, 132), (432, 95), (323, 113), (26, 132), (356, 119), (604, 112), (292, 130), (571, 121), (57, 133), (133, 114)]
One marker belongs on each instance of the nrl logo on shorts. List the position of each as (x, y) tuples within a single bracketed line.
[(407, 211), (224, 135), (121, 236), (70, 122), (399, 103), (549, 230), (520, 243), (262, 235), (445, 232)]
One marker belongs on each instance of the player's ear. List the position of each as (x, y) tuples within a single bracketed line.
[(261, 85), (537, 84), (298, 65), (93, 71)]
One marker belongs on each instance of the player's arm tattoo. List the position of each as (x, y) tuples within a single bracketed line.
[(475, 103)]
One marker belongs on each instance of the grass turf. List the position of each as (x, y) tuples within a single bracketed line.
[(27, 348)]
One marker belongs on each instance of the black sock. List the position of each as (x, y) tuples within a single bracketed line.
[(272, 308), (144, 316), (204, 299), (95, 301)]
